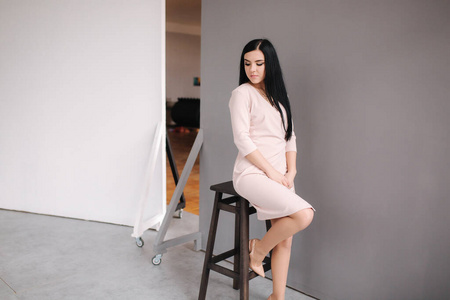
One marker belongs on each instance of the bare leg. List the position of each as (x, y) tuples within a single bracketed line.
[(282, 229), (281, 255)]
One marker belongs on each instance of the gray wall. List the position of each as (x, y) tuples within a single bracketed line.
[(369, 86)]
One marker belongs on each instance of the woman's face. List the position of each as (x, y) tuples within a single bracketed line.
[(255, 67)]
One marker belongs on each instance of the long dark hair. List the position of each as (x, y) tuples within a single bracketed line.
[(273, 80)]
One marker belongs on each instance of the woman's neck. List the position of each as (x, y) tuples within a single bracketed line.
[(260, 86)]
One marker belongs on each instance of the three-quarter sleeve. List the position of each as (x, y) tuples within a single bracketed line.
[(240, 108), (291, 145)]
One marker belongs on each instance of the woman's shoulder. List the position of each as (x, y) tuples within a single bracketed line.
[(242, 95), (244, 89)]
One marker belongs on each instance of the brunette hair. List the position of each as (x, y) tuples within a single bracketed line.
[(273, 80)]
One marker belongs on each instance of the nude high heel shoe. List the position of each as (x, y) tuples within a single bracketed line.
[(257, 269)]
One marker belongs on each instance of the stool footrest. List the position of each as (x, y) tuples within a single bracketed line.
[(223, 256), (233, 208), (224, 271), (230, 200), (227, 207), (227, 272), (267, 264), (225, 204), (232, 274)]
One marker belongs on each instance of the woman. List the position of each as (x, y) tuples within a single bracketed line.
[(265, 167)]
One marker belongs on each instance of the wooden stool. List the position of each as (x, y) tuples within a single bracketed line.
[(240, 273)]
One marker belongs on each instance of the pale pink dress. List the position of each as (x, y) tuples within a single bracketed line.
[(258, 125)]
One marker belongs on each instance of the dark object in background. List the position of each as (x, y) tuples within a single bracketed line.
[(186, 112)]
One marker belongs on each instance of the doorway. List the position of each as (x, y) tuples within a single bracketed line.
[(183, 36)]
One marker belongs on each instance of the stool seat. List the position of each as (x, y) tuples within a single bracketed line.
[(225, 187), (240, 273)]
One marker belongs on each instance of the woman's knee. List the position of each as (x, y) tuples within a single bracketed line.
[(308, 215), (304, 217)]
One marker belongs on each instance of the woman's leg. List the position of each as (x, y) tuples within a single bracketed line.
[(282, 229), (281, 255)]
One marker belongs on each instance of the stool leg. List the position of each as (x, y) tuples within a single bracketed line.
[(244, 262), (268, 225), (210, 247), (237, 242), (267, 260)]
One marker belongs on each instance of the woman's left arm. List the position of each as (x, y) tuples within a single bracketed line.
[(291, 164), (291, 158)]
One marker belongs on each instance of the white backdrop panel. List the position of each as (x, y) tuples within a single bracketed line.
[(81, 93)]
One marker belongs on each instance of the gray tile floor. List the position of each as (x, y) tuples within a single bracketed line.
[(45, 257)]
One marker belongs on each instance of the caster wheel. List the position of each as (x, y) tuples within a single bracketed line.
[(157, 259), (139, 242), (178, 214)]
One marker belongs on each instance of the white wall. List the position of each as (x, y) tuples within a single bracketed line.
[(81, 92), (183, 64)]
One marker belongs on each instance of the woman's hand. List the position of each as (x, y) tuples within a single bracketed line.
[(259, 161), (278, 177), (290, 178)]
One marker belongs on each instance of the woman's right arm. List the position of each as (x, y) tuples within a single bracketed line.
[(240, 121), (261, 162)]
